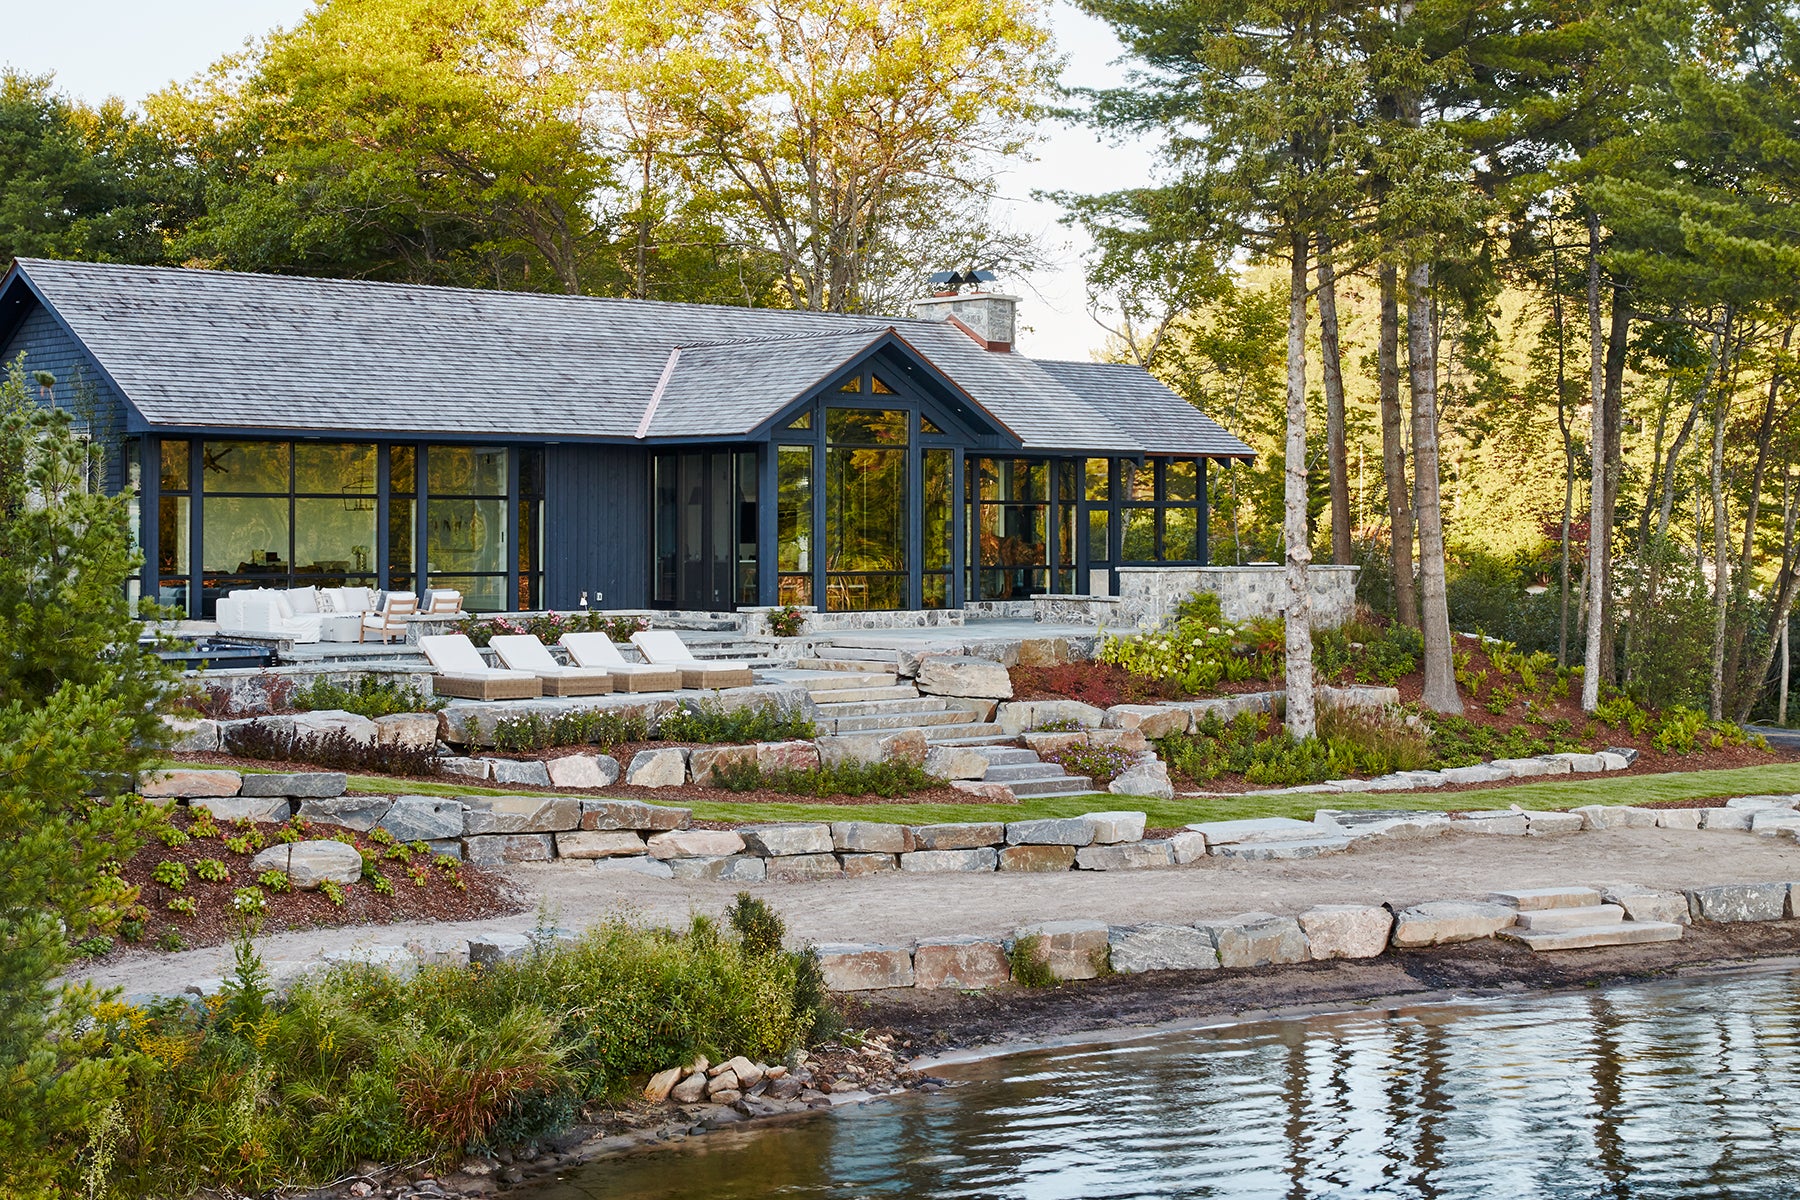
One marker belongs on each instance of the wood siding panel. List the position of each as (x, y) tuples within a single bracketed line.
[(596, 526), (47, 348)]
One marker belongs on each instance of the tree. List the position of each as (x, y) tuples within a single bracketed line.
[(79, 719)]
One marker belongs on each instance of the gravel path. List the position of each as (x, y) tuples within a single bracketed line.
[(898, 907)]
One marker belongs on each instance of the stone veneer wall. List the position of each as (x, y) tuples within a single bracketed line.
[(1149, 594)]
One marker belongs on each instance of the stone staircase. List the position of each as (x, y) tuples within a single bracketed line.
[(726, 645), (1029, 776), (1575, 919)]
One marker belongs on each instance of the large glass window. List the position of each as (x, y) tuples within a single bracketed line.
[(703, 529), (746, 527), (173, 517), (866, 508), (1011, 527), (1163, 506), (403, 508), (247, 539), (334, 514), (465, 522), (939, 484), (529, 538), (794, 524)]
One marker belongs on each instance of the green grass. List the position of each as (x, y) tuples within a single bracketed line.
[(1565, 793)]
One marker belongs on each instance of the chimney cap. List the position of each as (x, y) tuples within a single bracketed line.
[(955, 280)]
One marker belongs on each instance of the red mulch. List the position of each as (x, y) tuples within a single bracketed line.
[(1100, 684), (483, 893)]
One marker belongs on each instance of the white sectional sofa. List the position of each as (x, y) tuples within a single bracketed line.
[(307, 614)]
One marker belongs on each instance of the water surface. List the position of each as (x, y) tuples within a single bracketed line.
[(1681, 1089)]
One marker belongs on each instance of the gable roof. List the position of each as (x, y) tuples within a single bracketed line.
[(196, 350)]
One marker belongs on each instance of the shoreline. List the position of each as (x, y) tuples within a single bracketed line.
[(972, 1028)]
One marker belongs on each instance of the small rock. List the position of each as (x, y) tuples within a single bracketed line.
[(661, 1084), (1144, 779), (309, 864), (690, 1090), (583, 771), (658, 768)]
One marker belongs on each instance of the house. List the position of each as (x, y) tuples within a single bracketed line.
[(530, 450)]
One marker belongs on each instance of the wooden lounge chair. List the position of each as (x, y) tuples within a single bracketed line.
[(523, 652), (464, 674), (390, 621), (597, 650), (666, 649)]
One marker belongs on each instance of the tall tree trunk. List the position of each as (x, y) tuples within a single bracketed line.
[(1721, 550), (1739, 625), (1434, 603), (1393, 451), (1300, 718), (1785, 590), (1568, 443), (1613, 393), (1597, 548), (1332, 367)]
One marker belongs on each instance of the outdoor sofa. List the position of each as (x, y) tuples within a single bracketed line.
[(597, 650), (462, 672), (523, 652)]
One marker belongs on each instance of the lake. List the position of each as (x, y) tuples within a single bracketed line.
[(1680, 1089)]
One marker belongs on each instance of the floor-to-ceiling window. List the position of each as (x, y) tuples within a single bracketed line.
[(174, 517), (703, 529), (402, 517), (334, 514), (866, 516), (529, 537), (1163, 511), (1010, 527), (794, 522), (466, 535), (939, 516)]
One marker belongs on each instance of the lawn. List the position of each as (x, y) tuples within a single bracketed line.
[(1563, 793)]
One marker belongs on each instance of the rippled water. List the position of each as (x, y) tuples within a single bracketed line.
[(1688, 1089)]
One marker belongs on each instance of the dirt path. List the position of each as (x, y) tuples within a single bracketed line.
[(899, 907)]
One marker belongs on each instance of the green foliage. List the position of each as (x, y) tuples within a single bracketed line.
[(713, 722), (334, 748), (787, 621), (1372, 653), (186, 906), (1619, 711), (250, 901), (1099, 763), (550, 627), (1200, 649), (256, 1090), (1215, 747), (759, 928), (1030, 963), (369, 696), (889, 779), (1459, 742), (333, 891), (533, 731), (172, 875), (94, 947), (1682, 730), (170, 836), (1349, 742), (275, 881), (79, 703)]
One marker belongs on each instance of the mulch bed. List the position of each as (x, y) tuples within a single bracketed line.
[(483, 893)]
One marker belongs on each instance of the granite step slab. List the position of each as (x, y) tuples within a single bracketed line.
[(818, 682), (983, 732), (1536, 899), (1068, 785), (1630, 933), (831, 699), (1588, 916)]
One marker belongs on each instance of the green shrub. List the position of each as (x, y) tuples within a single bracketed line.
[(1680, 730), (1372, 653), (1459, 742), (590, 727), (1030, 964), (334, 748), (1099, 763), (212, 870), (550, 627), (1215, 747), (712, 722), (170, 874), (886, 779), (1201, 649), (370, 696), (1620, 711), (759, 928), (787, 621)]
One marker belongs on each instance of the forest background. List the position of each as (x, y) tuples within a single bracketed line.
[(1561, 209)]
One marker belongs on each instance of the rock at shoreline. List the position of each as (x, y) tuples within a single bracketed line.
[(1258, 940), (961, 963), (1071, 949), (1159, 947), (856, 968), (1443, 922), (1346, 930)]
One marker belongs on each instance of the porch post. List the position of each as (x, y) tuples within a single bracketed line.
[(1203, 516), (768, 529), (959, 530), (512, 527)]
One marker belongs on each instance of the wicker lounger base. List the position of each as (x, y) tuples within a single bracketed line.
[(577, 685), (647, 681), (716, 677), (468, 687)]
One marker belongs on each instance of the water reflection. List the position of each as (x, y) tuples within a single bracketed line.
[(1687, 1089)]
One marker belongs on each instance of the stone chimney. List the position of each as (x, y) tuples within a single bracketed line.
[(988, 317)]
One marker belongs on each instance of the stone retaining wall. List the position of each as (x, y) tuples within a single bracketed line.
[(1147, 595)]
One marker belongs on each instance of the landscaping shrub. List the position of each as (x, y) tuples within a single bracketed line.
[(712, 721), (534, 731), (334, 748), (886, 779), (787, 621), (1371, 653), (550, 627), (250, 1092), (370, 696), (1459, 742), (1100, 763), (1215, 747), (1201, 649), (1682, 730), (1486, 594)]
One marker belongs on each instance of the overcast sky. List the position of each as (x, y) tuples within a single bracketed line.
[(129, 48)]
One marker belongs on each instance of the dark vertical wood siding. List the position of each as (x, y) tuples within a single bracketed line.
[(47, 348), (596, 525)]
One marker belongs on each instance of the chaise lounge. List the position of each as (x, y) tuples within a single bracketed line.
[(523, 652), (665, 648), (463, 674), (597, 650)]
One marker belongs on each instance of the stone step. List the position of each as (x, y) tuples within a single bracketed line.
[(832, 697), (1023, 772), (896, 721), (1572, 918), (890, 707), (850, 648), (820, 683), (1538, 899), (972, 734), (1002, 756), (867, 666), (1628, 933), (1066, 785)]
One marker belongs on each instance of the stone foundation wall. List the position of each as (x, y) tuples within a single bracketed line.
[(1147, 595)]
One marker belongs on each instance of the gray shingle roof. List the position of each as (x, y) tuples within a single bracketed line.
[(217, 349)]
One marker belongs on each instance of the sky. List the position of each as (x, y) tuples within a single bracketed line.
[(129, 48)]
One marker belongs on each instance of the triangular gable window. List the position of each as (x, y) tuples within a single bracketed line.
[(852, 385), (803, 421), (880, 388), (927, 425)]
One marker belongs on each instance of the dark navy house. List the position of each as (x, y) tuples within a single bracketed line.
[(527, 449)]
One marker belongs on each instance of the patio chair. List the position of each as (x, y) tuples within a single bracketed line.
[(389, 620), (597, 650), (523, 652), (464, 674), (665, 648), (443, 602)]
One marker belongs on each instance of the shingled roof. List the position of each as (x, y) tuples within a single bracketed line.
[(198, 350)]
